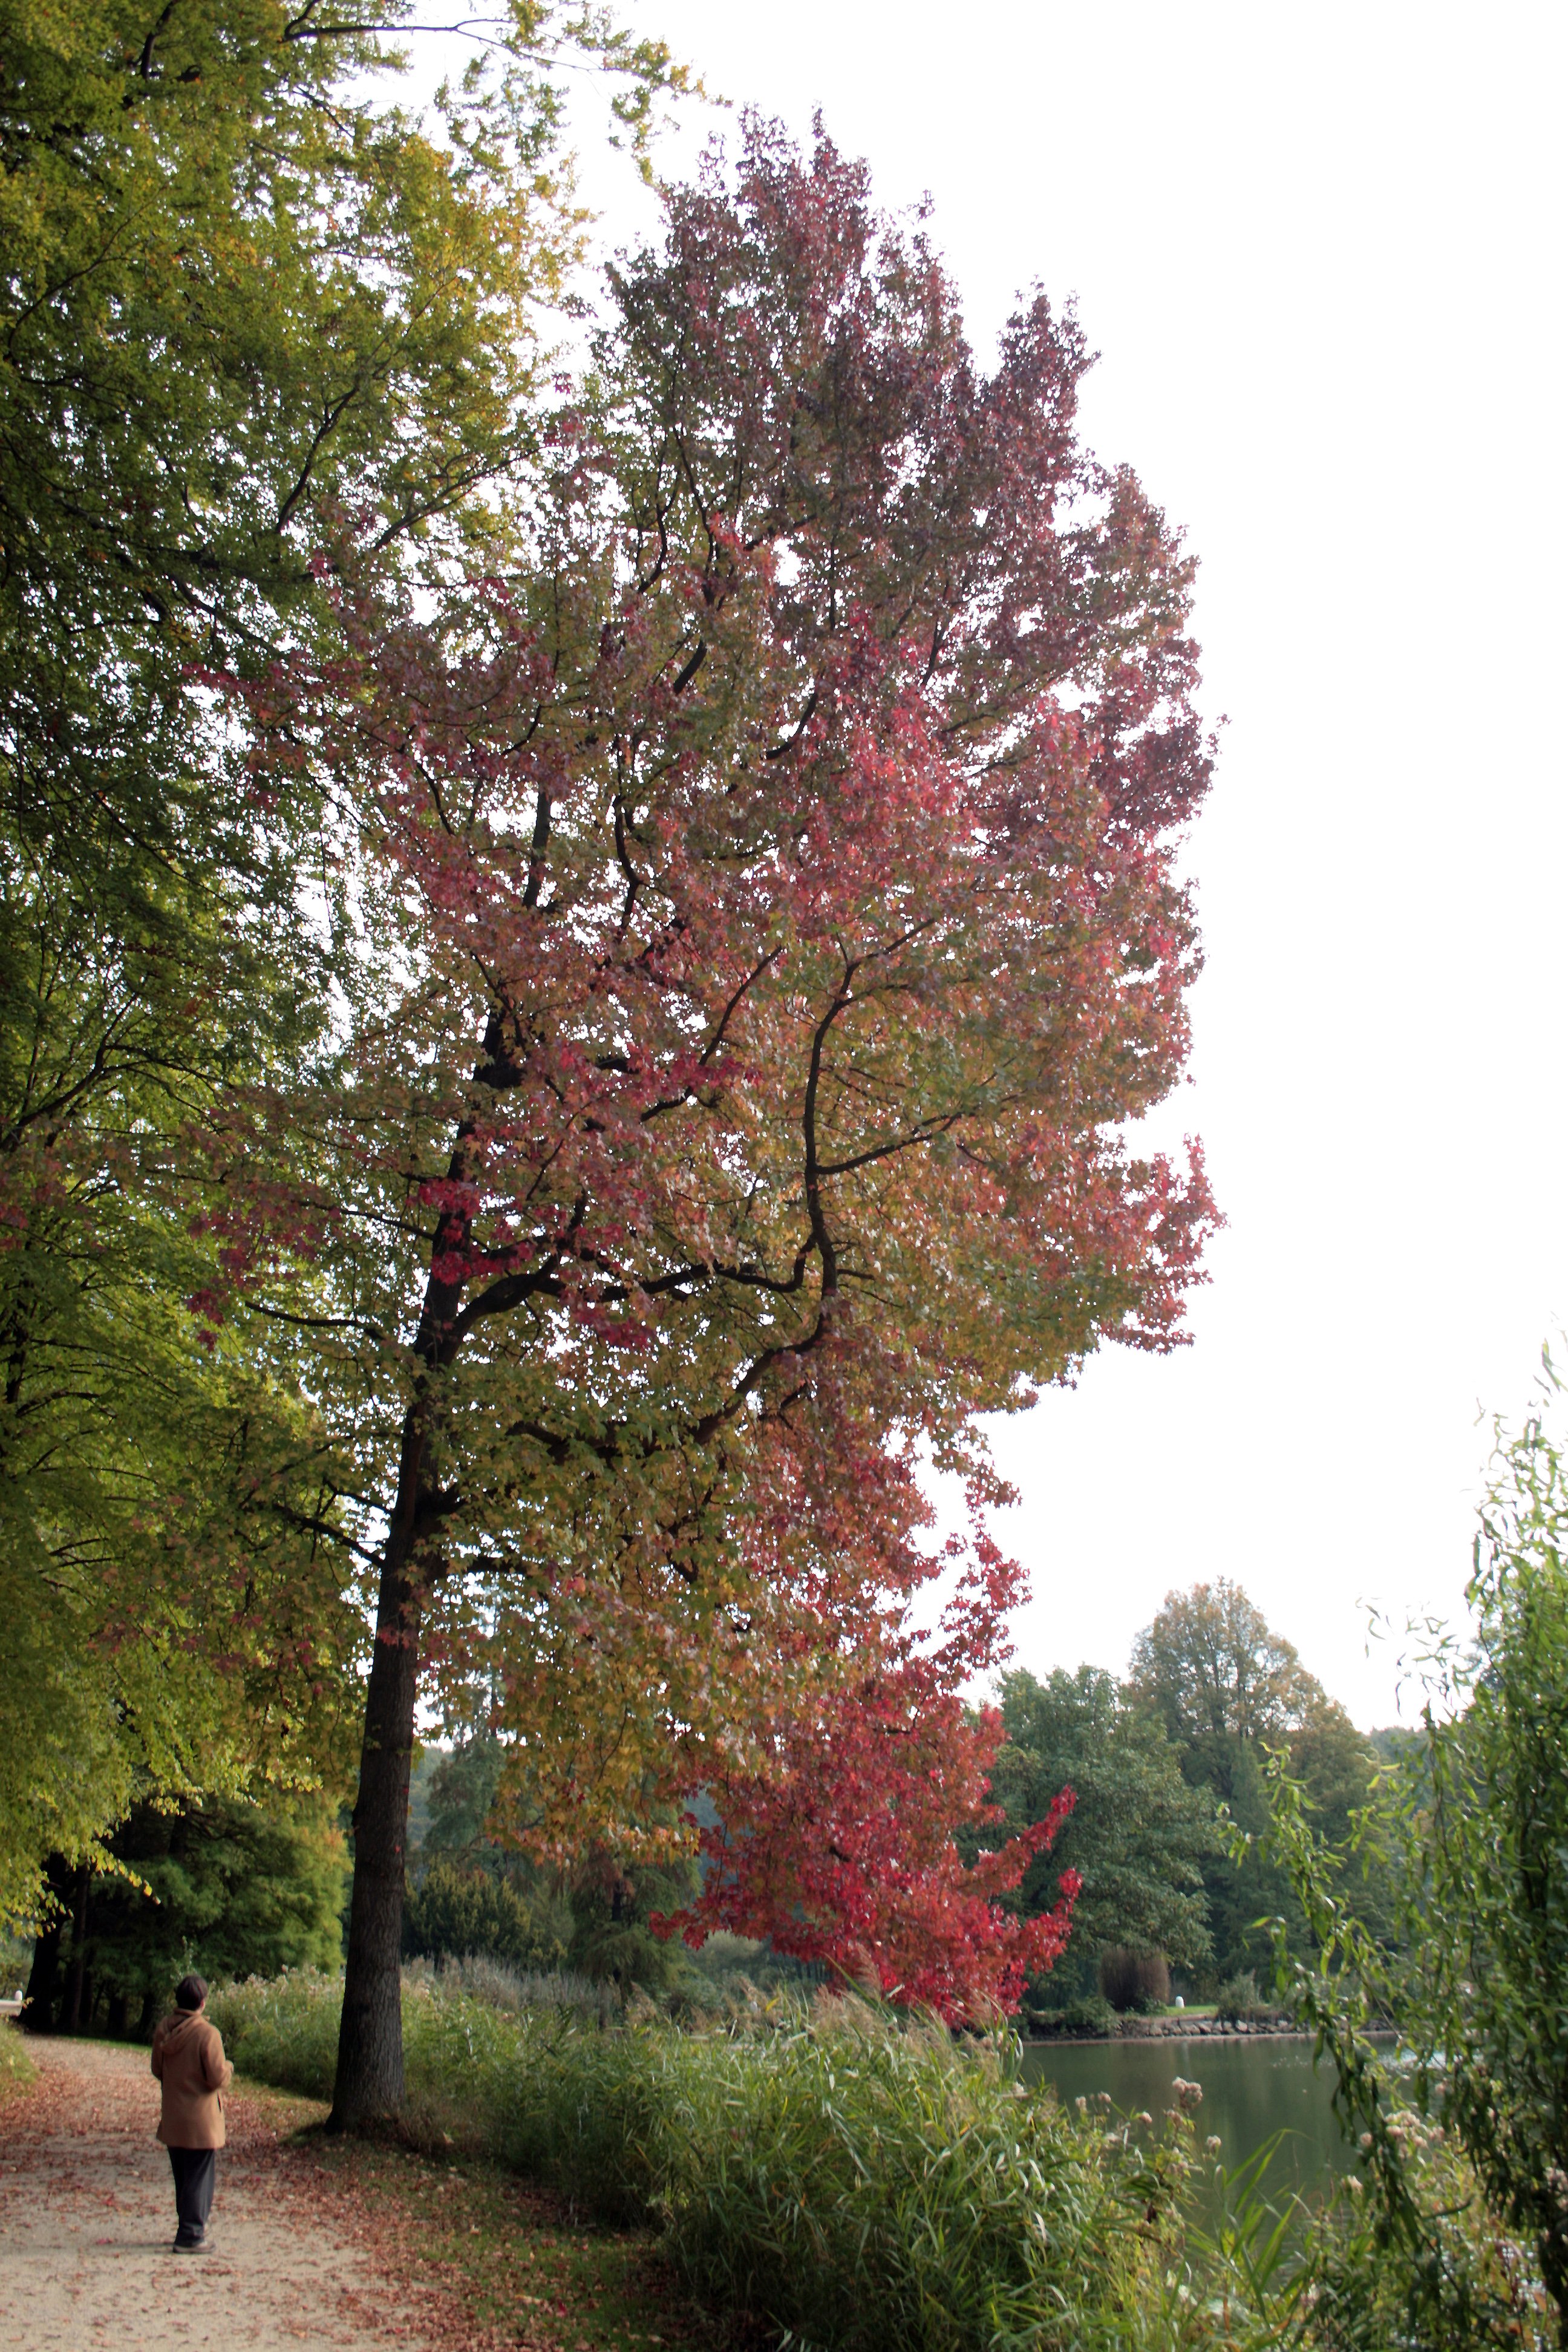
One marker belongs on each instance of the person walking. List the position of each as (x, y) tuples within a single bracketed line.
[(188, 2061)]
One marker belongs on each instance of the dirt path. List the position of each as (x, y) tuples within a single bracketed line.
[(87, 2219)]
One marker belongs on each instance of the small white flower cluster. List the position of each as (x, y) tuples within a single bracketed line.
[(1409, 2131)]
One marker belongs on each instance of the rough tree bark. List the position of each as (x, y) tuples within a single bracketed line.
[(369, 2082), (368, 2087)]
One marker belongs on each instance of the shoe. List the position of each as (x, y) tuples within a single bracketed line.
[(190, 2245)]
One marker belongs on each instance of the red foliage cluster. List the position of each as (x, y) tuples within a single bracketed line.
[(846, 1852)]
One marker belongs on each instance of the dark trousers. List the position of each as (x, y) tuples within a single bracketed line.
[(195, 2171)]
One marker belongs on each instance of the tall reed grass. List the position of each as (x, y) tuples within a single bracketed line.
[(863, 2184), (591, 1999)]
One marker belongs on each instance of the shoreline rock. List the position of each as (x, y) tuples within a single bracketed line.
[(1177, 2029)]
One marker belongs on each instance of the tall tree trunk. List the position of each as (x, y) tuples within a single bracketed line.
[(72, 2023), (369, 2084)]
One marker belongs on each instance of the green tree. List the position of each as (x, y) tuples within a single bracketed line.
[(459, 1794), (1138, 1836), (171, 1576), (1336, 1764), (1219, 1679), (1227, 1689), (242, 286), (239, 290), (230, 1889), (613, 1898), (473, 1891), (460, 1910)]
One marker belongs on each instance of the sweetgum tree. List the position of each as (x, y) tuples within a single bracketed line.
[(756, 927)]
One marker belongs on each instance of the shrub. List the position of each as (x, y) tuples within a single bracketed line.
[(1460, 2282), (1130, 1980), (17, 2071), (869, 2187), (1239, 1996), (727, 1959), (863, 2186), (1092, 2015), (286, 2027), (726, 1964)]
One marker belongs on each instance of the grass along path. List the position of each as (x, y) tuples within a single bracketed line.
[(17, 2071), (314, 2241), (518, 2266)]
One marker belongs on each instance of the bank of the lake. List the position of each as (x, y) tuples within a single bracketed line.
[(1173, 2026)]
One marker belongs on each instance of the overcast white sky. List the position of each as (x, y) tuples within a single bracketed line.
[(1321, 252)]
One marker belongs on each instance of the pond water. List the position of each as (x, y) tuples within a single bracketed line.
[(1253, 2087)]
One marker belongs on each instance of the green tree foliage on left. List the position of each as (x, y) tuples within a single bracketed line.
[(230, 1888), (1139, 1835), (240, 291)]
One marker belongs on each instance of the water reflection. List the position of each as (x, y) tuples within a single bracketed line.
[(1252, 2089)]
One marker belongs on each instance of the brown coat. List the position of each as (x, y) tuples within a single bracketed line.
[(188, 2060)]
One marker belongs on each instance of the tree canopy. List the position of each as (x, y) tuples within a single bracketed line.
[(766, 923), (579, 951), (228, 1888), (1213, 1672), (869, 1844), (1138, 1836), (1228, 1690)]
